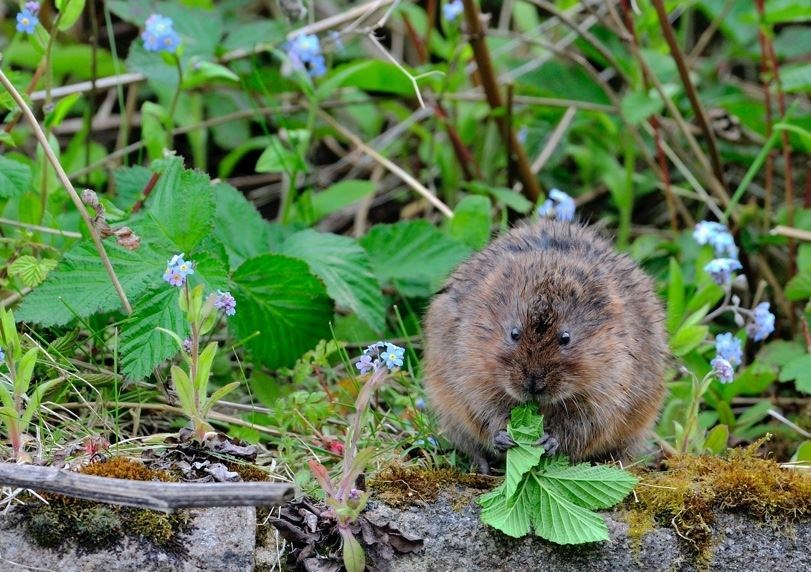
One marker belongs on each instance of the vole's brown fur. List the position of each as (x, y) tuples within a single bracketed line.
[(600, 393)]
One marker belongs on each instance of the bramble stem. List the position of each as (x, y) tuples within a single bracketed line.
[(63, 177)]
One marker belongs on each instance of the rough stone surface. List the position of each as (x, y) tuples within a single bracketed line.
[(221, 539), (457, 540)]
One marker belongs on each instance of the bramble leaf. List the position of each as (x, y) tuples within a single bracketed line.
[(526, 424)]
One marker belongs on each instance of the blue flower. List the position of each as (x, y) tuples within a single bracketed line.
[(2, 355), (180, 265), (729, 347), (225, 302), (392, 356), (187, 345), (762, 322), (452, 10), (374, 349), (420, 404), (365, 364), (718, 236), (174, 278), (159, 35), (722, 369), (558, 204), (721, 269), (304, 52), (27, 20)]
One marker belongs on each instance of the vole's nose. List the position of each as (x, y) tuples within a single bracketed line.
[(534, 383)]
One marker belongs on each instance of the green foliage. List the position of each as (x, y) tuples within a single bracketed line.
[(15, 177), (548, 495), (414, 257)]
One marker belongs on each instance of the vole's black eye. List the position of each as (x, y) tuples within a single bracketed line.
[(515, 334), (564, 338)]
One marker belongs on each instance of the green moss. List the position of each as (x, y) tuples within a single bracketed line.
[(45, 527), (97, 526), (400, 485), (687, 495)]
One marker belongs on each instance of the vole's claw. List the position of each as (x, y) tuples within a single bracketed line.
[(549, 443), (502, 441)]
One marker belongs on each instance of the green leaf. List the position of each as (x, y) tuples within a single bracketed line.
[(184, 389), (332, 199), (798, 369), (752, 415), (675, 296), (153, 129), (70, 11), (345, 269), (240, 227), (368, 75), (470, 224), (278, 297), (130, 183), (217, 395), (638, 106), (717, 438), (687, 339), (353, 555), (787, 11), (206, 72), (799, 287), (512, 515), (15, 178), (284, 157), (599, 486), (142, 346), (25, 369), (512, 199), (525, 427), (60, 110), (31, 270), (803, 454), (182, 204), (80, 285), (562, 521), (413, 256)]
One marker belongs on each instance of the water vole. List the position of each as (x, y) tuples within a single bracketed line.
[(549, 313)]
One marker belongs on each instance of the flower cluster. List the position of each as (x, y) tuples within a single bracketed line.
[(718, 236), (558, 204), (762, 323), (729, 353), (721, 269), (722, 369), (159, 34), (225, 302), (452, 10), (378, 355), (304, 52), (28, 19), (177, 270)]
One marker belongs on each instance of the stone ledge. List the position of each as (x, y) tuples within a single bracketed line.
[(457, 540)]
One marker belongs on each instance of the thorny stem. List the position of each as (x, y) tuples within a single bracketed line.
[(684, 73), (63, 177), (478, 42)]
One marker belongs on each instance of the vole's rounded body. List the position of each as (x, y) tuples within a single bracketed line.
[(548, 313)]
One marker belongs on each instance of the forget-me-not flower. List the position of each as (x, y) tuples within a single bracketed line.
[(452, 10), (721, 269), (729, 347), (159, 34), (225, 302), (558, 204), (718, 236), (304, 52), (722, 369), (27, 19), (392, 356), (762, 322)]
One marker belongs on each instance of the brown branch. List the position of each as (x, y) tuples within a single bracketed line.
[(155, 495), (692, 95), (463, 154), (478, 42)]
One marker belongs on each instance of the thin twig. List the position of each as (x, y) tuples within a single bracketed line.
[(478, 42), (554, 140), (393, 167), (692, 95), (790, 232), (38, 228), (63, 177)]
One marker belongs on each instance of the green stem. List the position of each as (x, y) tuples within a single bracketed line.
[(759, 160)]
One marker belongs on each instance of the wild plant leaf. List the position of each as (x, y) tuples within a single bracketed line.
[(471, 221), (345, 269), (239, 226), (142, 346), (15, 178), (279, 298), (525, 425), (414, 256), (550, 496), (130, 183), (31, 271)]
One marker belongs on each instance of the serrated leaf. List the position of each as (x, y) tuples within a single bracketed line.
[(798, 369), (511, 514), (413, 256), (562, 521), (470, 224), (240, 227), (182, 205), (130, 183), (80, 285), (15, 178), (278, 296), (525, 427), (598, 486), (142, 347), (345, 269), (31, 270)]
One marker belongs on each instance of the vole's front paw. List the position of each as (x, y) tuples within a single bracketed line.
[(502, 441), (549, 443)]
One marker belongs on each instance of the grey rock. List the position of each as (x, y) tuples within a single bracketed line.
[(221, 539), (457, 540)]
